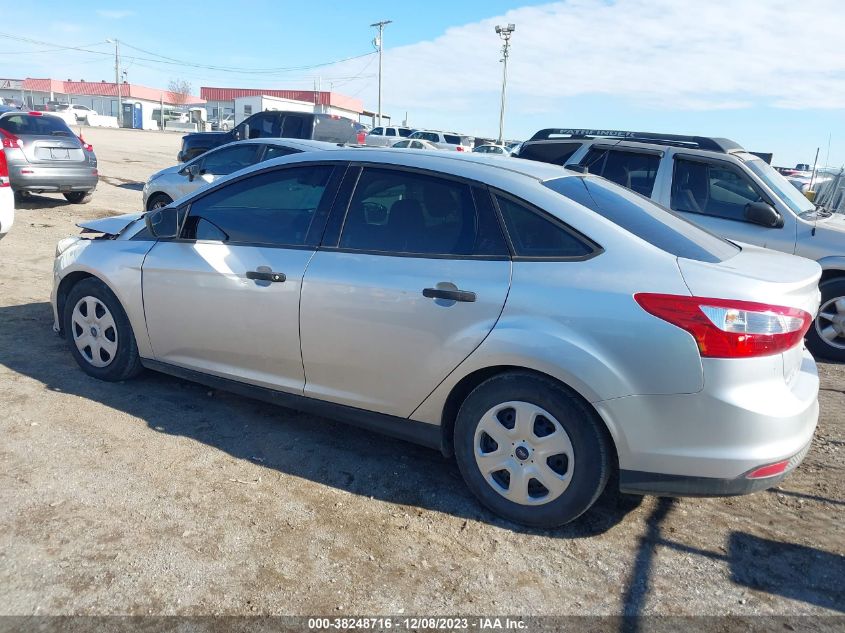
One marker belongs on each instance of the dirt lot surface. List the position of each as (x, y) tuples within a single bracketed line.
[(158, 496)]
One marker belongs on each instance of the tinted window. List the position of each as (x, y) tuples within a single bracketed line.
[(274, 151), (229, 159), (634, 170), (712, 189), (377, 131), (391, 132), (451, 138), (554, 153), (533, 235), (403, 131), (406, 212), (427, 136), (21, 124), (263, 125), (654, 224), (274, 208), (293, 127)]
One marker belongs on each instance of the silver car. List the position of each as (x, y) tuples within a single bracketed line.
[(165, 186), (44, 155), (547, 328)]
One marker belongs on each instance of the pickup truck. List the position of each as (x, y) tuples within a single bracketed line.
[(276, 124)]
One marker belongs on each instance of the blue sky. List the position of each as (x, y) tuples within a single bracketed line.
[(768, 74)]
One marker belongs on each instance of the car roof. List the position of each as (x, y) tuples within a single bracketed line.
[(306, 145), (482, 168)]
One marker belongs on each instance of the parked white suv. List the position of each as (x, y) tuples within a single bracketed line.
[(716, 184), (386, 136), (445, 140)]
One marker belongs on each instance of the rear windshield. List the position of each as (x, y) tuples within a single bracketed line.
[(656, 225), (22, 124)]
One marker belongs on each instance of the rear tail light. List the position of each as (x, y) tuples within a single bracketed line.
[(10, 140), (460, 148), (86, 146), (724, 328), (770, 470), (4, 170), (35, 113)]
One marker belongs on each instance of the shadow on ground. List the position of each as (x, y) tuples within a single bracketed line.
[(305, 446)]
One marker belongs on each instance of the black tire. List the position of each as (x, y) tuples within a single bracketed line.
[(22, 196), (126, 362), (79, 197), (158, 200), (590, 442), (831, 290)]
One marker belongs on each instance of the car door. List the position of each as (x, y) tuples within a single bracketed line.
[(406, 290), (714, 194), (223, 298)]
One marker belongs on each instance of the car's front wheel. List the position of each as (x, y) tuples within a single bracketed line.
[(98, 331), (530, 450), (158, 201), (79, 197), (826, 338)]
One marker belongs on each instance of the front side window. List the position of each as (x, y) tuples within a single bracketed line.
[(715, 189), (275, 208), (633, 170), (397, 211), (426, 136), (377, 131), (229, 159), (533, 235), (294, 127)]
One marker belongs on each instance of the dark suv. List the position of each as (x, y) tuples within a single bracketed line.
[(275, 124)]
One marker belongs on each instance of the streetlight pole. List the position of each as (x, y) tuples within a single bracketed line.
[(380, 44), (117, 80), (505, 33)]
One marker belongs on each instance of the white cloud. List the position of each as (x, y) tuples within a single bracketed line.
[(114, 14), (662, 54)]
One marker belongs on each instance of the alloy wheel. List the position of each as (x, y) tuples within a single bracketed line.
[(524, 453), (94, 331), (830, 323)]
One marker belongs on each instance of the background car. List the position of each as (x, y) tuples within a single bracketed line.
[(226, 123), (386, 136), (414, 143), (549, 329), (492, 148), (445, 140), (165, 186), (79, 112), (45, 156)]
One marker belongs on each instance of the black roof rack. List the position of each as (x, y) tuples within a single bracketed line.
[(697, 142)]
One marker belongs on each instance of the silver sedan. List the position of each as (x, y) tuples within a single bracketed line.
[(165, 186), (545, 327)]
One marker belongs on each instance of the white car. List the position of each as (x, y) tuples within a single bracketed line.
[(79, 112), (445, 140), (414, 143), (7, 198), (386, 136), (492, 148)]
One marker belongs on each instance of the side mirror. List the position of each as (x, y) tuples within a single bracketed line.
[(241, 132), (163, 222), (193, 171), (763, 214)]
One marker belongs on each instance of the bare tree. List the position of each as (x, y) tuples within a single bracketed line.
[(180, 91)]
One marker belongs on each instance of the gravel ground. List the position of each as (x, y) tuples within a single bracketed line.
[(158, 496)]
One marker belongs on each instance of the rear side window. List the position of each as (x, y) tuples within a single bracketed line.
[(46, 125), (452, 139), (391, 132), (404, 132), (554, 153), (654, 224), (633, 170), (427, 136), (396, 211), (536, 235), (275, 208)]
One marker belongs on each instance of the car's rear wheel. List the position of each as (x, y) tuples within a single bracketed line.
[(531, 450), (79, 197), (158, 200), (826, 337), (98, 332), (225, 127)]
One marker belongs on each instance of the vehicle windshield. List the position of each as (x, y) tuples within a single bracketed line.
[(787, 192)]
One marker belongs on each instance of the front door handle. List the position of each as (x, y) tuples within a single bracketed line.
[(451, 295), (261, 275)]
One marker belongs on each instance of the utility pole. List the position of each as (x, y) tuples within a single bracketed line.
[(505, 33), (379, 42), (117, 82)]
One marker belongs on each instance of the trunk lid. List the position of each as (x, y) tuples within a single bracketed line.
[(109, 226), (761, 275), (53, 149)]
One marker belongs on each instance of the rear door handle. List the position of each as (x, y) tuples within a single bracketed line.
[(451, 295), (260, 275)]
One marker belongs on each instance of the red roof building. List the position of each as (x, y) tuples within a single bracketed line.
[(59, 90), (334, 99)]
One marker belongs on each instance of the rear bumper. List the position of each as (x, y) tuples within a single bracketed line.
[(705, 443), (53, 179)]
